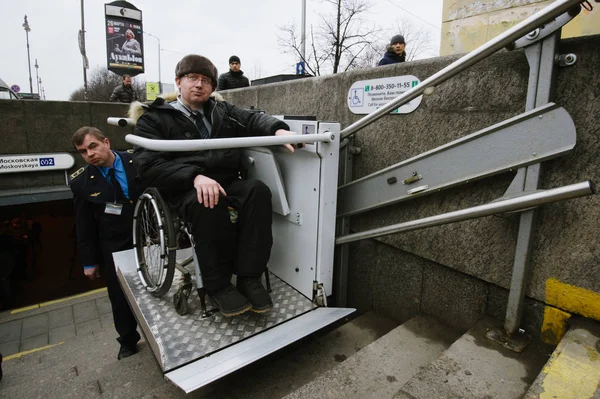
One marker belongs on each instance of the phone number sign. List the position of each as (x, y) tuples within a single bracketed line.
[(365, 96), (35, 162)]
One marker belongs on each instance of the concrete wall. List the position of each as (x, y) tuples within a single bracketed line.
[(464, 266), (29, 127), (467, 24)]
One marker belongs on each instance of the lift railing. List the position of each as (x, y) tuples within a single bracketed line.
[(235, 142), (479, 54), (515, 204)]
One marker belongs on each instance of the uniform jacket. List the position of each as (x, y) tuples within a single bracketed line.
[(232, 80), (123, 94), (390, 57), (98, 232), (174, 172)]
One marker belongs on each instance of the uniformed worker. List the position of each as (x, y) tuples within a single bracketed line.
[(104, 193)]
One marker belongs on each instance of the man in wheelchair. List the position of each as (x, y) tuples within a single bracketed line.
[(230, 217)]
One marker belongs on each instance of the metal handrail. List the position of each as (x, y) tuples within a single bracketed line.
[(480, 53), (234, 142), (515, 204)]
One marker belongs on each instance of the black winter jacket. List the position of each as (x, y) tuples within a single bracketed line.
[(390, 57), (123, 94), (232, 80), (174, 172)]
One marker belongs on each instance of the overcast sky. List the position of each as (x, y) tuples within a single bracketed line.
[(215, 29)]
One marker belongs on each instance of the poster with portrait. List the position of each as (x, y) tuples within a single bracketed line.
[(124, 38)]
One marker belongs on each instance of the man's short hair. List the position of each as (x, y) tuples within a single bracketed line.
[(234, 58), (193, 63), (80, 134), (126, 76)]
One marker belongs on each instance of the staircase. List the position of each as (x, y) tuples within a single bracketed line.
[(367, 357)]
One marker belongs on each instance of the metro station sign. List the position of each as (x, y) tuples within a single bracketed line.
[(35, 162)]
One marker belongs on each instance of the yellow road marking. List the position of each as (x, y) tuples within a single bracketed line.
[(18, 355), (40, 305)]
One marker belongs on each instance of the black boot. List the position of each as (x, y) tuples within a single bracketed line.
[(252, 288), (230, 301)]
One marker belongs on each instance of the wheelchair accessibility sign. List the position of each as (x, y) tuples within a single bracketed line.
[(366, 96)]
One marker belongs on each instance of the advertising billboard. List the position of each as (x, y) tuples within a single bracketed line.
[(124, 38)]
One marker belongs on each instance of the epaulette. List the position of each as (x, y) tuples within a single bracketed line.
[(130, 150), (79, 171)]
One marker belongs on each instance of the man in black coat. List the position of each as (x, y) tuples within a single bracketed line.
[(395, 52), (234, 79), (230, 217), (104, 194), (124, 93)]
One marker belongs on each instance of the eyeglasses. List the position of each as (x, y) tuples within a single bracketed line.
[(193, 78)]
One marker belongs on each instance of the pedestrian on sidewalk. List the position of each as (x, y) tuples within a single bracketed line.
[(104, 194)]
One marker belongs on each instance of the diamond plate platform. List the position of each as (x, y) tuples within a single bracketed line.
[(177, 340)]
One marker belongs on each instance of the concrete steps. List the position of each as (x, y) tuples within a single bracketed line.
[(474, 367), (87, 367), (382, 368)]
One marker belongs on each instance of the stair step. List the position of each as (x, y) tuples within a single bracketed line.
[(99, 374), (383, 367), (474, 367), (573, 370)]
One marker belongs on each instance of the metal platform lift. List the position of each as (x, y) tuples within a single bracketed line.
[(308, 207)]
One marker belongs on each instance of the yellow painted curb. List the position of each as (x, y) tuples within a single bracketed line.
[(40, 305), (554, 326), (573, 299), (573, 370), (18, 355)]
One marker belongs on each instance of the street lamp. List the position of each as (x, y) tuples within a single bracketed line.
[(159, 83), (27, 30), (37, 76)]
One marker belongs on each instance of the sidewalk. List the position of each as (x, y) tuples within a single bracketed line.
[(37, 327)]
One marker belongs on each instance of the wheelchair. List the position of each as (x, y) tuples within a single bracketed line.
[(157, 236)]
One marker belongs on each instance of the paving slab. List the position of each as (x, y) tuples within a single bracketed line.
[(474, 368), (60, 317), (88, 327), (85, 311), (380, 369), (106, 320), (34, 343), (10, 348), (34, 326), (61, 334), (573, 370), (103, 305), (10, 331)]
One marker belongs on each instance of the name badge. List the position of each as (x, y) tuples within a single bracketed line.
[(113, 209)]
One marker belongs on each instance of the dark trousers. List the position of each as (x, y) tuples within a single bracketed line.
[(125, 322), (236, 240)]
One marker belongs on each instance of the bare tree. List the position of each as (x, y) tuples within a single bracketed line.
[(101, 83), (337, 43)]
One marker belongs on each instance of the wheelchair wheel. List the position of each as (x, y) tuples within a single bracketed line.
[(154, 242)]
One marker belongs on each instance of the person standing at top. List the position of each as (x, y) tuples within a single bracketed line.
[(124, 92), (395, 51), (234, 79)]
